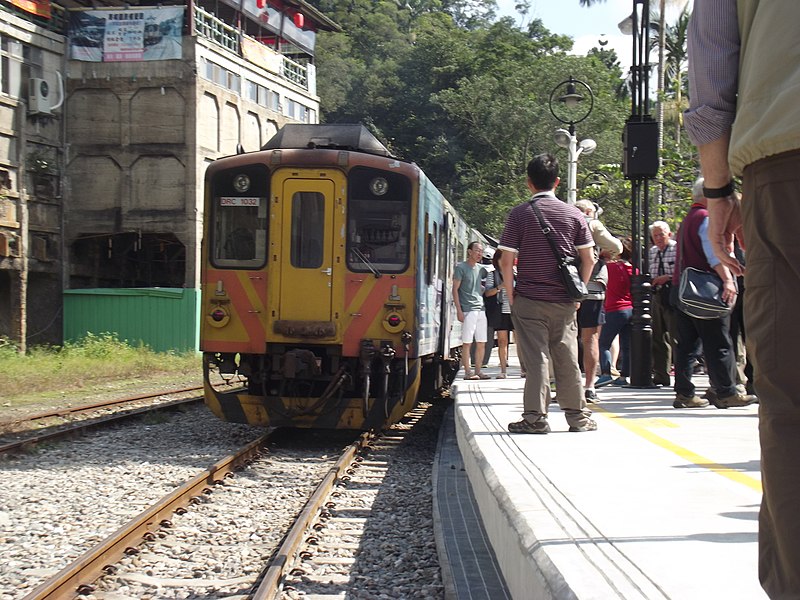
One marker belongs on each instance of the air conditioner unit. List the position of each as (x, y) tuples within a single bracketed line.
[(39, 96)]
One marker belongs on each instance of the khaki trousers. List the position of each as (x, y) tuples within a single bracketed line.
[(549, 331), (771, 211)]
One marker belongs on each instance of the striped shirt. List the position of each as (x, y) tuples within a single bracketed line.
[(495, 277), (713, 46), (538, 275), (665, 258)]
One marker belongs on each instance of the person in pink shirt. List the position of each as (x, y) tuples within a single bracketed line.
[(619, 312)]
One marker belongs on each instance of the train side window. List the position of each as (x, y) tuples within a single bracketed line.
[(308, 230), (428, 266), (442, 252), (434, 254)]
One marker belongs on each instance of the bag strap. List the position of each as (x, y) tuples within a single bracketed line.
[(547, 231), (680, 246)]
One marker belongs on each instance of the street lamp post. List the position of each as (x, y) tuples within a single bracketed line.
[(639, 165), (572, 111)]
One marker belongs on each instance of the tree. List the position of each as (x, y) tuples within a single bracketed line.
[(465, 98), (675, 65)]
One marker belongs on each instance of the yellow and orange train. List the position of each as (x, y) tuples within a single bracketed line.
[(327, 282)]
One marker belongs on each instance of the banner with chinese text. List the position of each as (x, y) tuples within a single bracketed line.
[(126, 35)]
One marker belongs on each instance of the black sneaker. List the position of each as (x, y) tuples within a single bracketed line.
[(591, 396), (589, 425), (525, 426)]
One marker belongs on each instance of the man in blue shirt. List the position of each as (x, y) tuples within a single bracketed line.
[(694, 250), (468, 297)]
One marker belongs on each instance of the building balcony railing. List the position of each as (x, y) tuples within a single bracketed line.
[(211, 28), (215, 30), (294, 72)]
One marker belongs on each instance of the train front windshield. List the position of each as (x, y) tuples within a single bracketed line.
[(378, 225), (239, 238), (239, 207)]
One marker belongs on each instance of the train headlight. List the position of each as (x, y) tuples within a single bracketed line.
[(218, 317), (379, 186), (394, 322), (241, 183)]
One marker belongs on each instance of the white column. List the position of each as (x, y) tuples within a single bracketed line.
[(572, 174)]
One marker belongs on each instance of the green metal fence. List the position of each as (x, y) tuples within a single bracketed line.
[(164, 319)]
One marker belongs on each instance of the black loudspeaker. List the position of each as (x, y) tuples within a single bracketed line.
[(640, 148)]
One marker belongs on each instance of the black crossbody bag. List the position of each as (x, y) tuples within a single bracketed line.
[(700, 292), (567, 265)]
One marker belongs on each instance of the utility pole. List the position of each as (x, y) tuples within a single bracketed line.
[(640, 163)]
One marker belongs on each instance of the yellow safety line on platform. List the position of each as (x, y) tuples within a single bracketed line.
[(701, 461)]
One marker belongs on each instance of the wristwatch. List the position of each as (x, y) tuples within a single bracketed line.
[(722, 192)]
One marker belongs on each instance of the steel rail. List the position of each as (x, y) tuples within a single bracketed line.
[(71, 580), (62, 412), (89, 423), (274, 573)]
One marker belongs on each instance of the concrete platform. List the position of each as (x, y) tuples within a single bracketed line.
[(658, 503)]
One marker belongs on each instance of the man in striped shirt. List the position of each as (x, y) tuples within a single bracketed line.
[(542, 311), (662, 266)]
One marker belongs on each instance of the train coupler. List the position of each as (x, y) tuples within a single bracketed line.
[(366, 355), (387, 355), (300, 364)]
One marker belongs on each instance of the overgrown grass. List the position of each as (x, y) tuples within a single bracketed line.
[(97, 359)]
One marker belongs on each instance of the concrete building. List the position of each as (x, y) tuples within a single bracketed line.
[(108, 118)]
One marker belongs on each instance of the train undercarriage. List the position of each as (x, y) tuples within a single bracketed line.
[(312, 386)]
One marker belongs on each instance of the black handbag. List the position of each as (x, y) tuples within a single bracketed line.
[(700, 292), (598, 282), (493, 304), (700, 295), (567, 265)]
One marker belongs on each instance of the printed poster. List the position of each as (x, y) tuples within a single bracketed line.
[(126, 35)]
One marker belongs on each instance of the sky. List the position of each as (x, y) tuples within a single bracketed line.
[(587, 25)]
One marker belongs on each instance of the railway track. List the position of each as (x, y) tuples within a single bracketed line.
[(374, 538), (224, 534), (62, 422), (70, 411), (119, 558)]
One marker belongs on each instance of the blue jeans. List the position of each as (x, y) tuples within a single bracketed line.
[(618, 323)]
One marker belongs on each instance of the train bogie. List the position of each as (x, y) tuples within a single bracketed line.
[(327, 278)]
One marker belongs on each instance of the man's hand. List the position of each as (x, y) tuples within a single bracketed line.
[(729, 291), (725, 218), (661, 280), (725, 224)]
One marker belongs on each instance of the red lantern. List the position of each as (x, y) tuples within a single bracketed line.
[(299, 20)]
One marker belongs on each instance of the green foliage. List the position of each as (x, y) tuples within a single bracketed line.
[(97, 346), (442, 83), (96, 358), (8, 349)]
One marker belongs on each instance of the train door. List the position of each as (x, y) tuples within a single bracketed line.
[(307, 248), (447, 266)]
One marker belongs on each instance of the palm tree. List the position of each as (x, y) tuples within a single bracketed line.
[(676, 51), (661, 28)]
